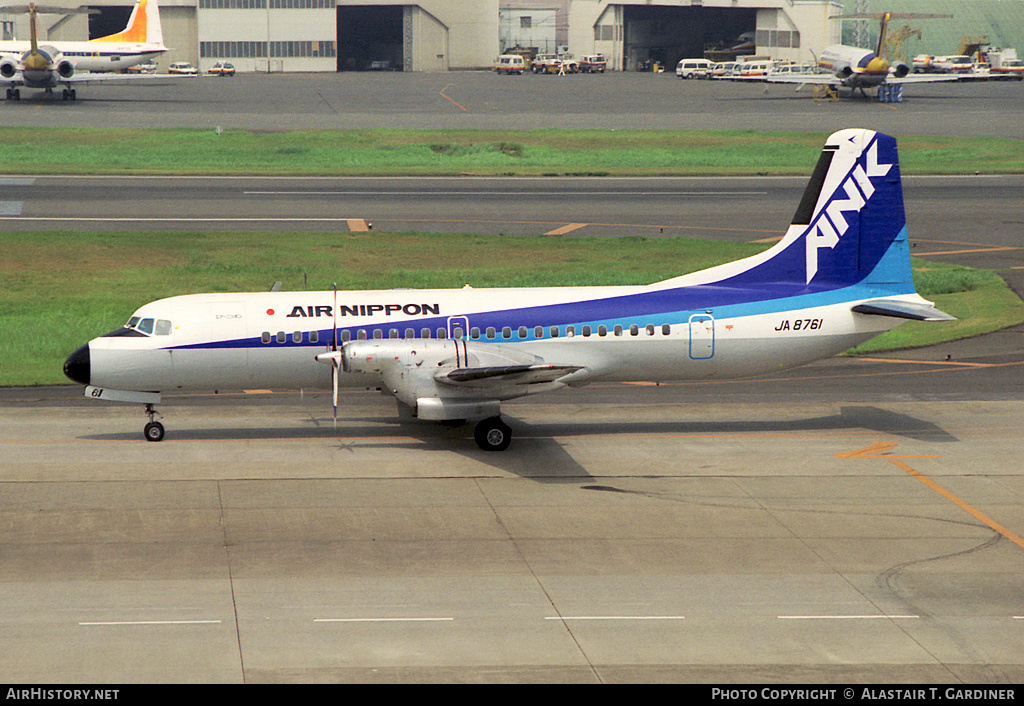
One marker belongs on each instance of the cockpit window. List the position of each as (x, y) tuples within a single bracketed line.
[(149, 327)]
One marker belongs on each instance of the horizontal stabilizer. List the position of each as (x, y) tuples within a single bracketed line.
[(512, 374), (924, 311)]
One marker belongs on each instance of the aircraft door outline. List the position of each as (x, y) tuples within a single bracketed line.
[(460, 323), (702, 336)]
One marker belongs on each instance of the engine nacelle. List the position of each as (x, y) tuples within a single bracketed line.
[(378, 355), (8, 67), (371, 357), (899, 69), (65, 68), (844, 72)]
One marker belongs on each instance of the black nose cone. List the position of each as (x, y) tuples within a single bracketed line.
[(76, 367)]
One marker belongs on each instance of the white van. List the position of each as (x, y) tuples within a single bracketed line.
[(693, 68), (749, 69), (510, 64)]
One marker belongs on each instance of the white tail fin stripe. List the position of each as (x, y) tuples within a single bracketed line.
[(874, 169), (853, 202), (866, 187), (830, 223)]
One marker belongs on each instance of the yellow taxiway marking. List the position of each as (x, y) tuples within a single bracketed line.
[(357, 225), (961, 247), (877, 449), (930, 362), (882, 449), (566, 229), (442, 94), (964, 252)]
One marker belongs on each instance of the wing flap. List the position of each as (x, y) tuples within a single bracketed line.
[(506, 374)]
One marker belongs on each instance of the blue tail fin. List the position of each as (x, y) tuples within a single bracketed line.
[(849, 233), (849, 229), (847, 242), (852, 218)]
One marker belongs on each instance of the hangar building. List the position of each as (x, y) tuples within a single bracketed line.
[(442, 35)]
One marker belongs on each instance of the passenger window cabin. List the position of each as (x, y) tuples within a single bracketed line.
[(164, 327)]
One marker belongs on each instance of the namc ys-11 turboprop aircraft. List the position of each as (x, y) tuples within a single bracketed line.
[(840, 276)]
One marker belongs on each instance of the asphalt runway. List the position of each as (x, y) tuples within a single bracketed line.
[(973, 220), (481, 99), (858, 521), (855, 520)]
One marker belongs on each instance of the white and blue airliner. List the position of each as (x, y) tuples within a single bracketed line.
[(840, 276)]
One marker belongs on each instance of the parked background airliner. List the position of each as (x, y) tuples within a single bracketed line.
[(51, 64), (840, 276), (856, 68)]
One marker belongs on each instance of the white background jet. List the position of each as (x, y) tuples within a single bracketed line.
[(52, 64), (856, 68)]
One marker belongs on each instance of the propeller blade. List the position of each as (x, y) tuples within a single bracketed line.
[(334, 324), (334, 377), (334, 349)]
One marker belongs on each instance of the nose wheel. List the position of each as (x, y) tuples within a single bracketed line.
[(154, 430)]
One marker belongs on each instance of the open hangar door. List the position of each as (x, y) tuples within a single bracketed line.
[(370, 38), (667, 34), (109, 20), (102, 20)]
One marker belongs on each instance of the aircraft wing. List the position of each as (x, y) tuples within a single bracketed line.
[(901, 309), (506, 375), (441, 377), (152, 78), (923, 78), (813, 79)]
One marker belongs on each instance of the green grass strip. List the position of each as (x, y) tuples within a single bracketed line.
[(63, 288), (511, 152)]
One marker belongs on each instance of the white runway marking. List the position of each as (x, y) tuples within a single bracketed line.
[(382, 620), (154, 622), (616, 617), (847, 617), (501, 192)]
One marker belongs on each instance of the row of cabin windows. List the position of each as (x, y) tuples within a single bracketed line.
[(489, 334)]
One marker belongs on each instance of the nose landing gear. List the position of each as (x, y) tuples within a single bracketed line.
[(154, 430)]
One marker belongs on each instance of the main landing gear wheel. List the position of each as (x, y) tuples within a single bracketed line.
[(154, 430), (492, 434)]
